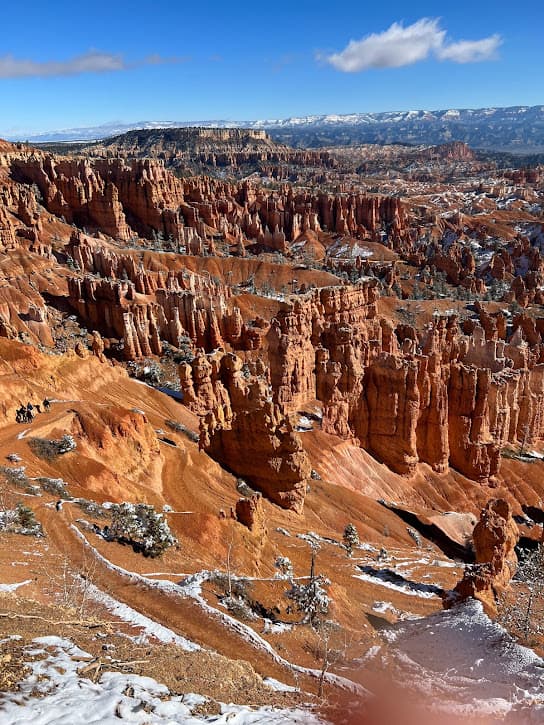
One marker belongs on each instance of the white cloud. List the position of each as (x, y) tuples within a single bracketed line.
[(393, 48), (402, 45), (91, 62), (471, 51)]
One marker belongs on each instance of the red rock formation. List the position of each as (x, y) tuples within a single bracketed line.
[(472, 449), (389, 412), (103, 193), (331, 317), (144, 306), (440, 395), (7, 233), (126, 198), (454, 401), (454, 151), (97, 346), (243, 429), (250, 512), (262, 446), (494, 538)]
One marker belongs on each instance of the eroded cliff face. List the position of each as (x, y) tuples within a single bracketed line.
[(106, 193), (145, 306), (244, 429), (438, 397), (329, 324), (197, 150), (124, 198)]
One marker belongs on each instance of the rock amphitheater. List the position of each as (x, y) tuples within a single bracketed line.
[(266, 352)]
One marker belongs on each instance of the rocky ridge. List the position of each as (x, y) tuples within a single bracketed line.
[(203, 150)]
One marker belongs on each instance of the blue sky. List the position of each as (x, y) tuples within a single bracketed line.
[(67, 64)]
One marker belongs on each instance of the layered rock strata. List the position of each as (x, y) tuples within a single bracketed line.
[(125, 198), (244, 429)]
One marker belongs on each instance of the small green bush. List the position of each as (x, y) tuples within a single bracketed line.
[(141, 526)]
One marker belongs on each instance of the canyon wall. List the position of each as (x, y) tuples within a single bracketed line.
[(125, 198)]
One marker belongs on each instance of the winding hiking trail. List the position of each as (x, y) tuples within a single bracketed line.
[(197, 621), (181, 614), (119, 457)]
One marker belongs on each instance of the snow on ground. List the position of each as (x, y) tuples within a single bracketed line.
[(192, 587), (465, 663), (55, 694), (250, 635), (314, 538), (444, 564), (276, 627), (8, 588), (383, 607), (279, 686), (149, 626), (365, 546), (358, 251), (390, 580)]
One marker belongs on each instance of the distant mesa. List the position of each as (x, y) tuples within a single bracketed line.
[(198, 150)]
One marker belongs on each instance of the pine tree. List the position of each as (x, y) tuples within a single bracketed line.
[(311, 599), (523, 615), (350, 538)]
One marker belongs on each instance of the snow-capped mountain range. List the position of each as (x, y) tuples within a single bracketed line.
[(516, 128)]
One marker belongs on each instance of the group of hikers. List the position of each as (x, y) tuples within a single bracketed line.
[(26, 413)]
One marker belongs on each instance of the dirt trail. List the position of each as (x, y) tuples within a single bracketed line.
[(182, 615), (189, 481)]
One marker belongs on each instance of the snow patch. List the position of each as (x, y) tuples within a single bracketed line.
[(55, 694), (8, 588), (467, 664), (387, 579), (276, 627), (279, 686), (192, 587), (131, 616), (383, 607)]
